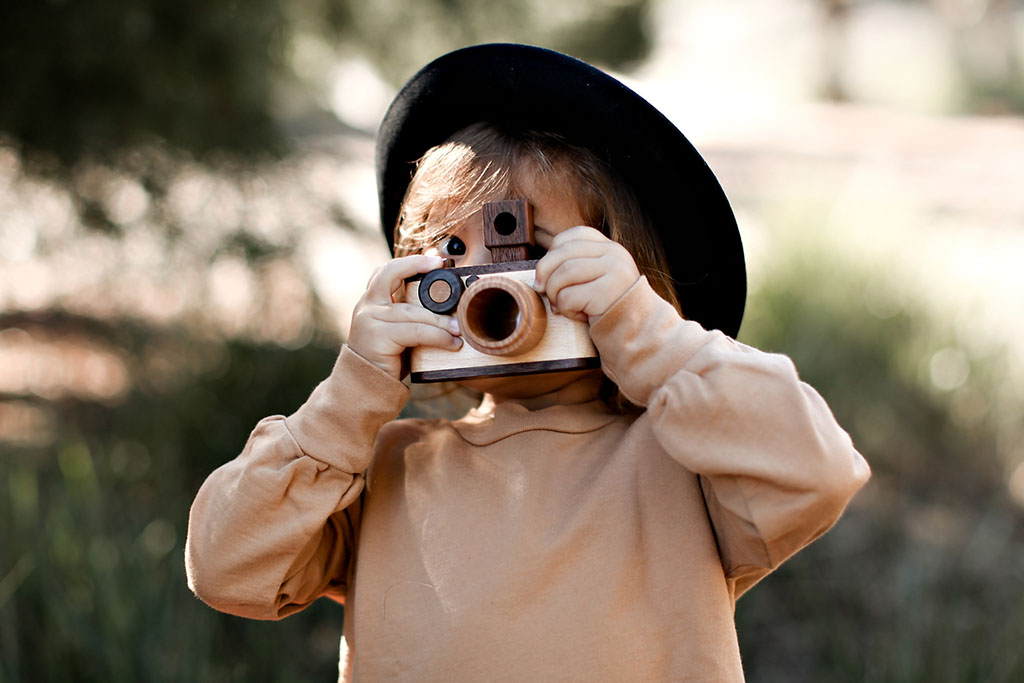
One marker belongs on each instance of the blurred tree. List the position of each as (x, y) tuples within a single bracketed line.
[(90, 80), (612, 32)]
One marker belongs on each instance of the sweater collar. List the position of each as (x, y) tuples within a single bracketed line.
[(576, 410)]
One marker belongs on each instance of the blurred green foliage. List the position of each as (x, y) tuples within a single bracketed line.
[(923, 579), (610, 32), (90, 81), (93, 521)]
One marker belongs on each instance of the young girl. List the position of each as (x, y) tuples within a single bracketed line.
[(588, 525)]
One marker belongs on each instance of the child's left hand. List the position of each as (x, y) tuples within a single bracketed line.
[(584, 272)]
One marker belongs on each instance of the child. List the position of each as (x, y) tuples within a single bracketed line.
[(587, 525)]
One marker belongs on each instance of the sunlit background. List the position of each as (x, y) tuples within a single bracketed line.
[(188, 214)]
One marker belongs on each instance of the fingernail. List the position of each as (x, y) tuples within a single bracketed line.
[(457, 342), (453, 325)]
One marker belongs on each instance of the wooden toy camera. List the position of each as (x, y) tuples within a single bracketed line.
[(507, 327)]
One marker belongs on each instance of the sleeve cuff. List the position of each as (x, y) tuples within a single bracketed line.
[(643, 341), (339, 422)]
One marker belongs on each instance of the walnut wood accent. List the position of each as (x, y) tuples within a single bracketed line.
[(507, 370), (508, 229)]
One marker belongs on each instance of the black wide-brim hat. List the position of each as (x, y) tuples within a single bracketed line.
[(531, 88)]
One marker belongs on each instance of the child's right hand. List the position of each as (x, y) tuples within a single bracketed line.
[(383, 325)]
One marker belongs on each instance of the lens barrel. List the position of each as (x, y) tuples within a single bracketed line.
[(501, 316)]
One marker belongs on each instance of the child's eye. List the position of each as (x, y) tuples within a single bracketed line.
[(454, 246)]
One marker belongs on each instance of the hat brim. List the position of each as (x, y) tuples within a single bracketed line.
[(538, 89)]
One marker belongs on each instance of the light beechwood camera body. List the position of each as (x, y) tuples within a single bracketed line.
[(508, 328)]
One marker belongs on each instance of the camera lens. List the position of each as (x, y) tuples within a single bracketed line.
[(493, 314), (501, 316)]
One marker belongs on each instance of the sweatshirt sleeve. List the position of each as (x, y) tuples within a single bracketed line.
[(776, 469), (273, 529)]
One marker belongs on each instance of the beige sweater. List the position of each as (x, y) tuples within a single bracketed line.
[(562, 544)]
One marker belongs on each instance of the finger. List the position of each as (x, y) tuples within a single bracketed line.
[(412, 334), (572, 315), (572, 301), (575, 271), (411, 313), (545, 239), (560, 254), (388, 278)]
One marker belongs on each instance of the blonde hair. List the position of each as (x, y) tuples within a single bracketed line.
[(483, 163)]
